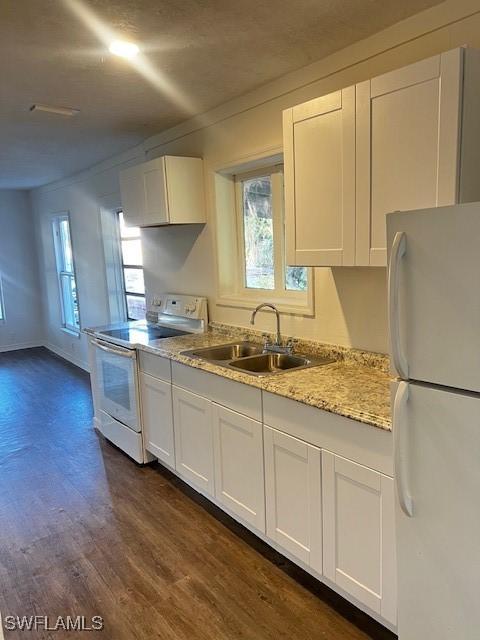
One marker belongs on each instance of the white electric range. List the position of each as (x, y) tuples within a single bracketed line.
[(113, 355)]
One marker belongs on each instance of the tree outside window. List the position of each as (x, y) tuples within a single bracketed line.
[(262, 235)]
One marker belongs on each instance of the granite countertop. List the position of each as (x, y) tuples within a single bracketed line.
[(356, 385)]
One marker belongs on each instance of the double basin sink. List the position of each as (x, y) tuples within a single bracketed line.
[(251, 358)]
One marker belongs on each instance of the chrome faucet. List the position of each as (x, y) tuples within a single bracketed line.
[(277, 345)]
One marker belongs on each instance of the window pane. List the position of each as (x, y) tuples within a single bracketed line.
[(134, 282), (70, 301), (73, 291), (132, 252), (258, 233), (296, 279), (127, 232), (135, 307), (66, 246)]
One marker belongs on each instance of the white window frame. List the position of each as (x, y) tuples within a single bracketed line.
[(124, 266), (63, 272), (2, 302), (288, 299)]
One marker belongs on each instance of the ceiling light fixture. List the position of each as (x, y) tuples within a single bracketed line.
[(124, 49), (59, 111)]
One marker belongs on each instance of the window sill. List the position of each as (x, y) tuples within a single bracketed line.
[(71, 332), (293, 308)]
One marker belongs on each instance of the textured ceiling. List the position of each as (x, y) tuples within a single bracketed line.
[(196, 54)]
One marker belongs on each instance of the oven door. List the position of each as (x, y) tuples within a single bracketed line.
[(116, 374)]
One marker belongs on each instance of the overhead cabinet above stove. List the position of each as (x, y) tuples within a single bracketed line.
[(163, 191), (408, 139)]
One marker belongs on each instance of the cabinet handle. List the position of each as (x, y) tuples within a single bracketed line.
[(399, 248), (400, 462)]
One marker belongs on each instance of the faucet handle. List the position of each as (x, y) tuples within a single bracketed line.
[(290, 344), (266, 339)]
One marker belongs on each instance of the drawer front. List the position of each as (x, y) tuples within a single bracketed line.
[(363, 443), (233, 395), (155, 366)]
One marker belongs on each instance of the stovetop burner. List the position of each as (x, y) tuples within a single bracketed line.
[(135, 334)]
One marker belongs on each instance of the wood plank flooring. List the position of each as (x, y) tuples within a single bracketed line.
[(85, 531)]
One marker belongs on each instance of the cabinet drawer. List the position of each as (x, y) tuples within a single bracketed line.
[(360, 442), (155, 366), (234, 395)]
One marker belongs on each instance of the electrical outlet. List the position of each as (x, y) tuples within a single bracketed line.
[(156, 301)]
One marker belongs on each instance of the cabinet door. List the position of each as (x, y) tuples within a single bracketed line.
[(156, 205), (293, 496), (157, 418), (239, 478), (132, 193), (358, 533), (407, 129), (192, 417), (319, 159)]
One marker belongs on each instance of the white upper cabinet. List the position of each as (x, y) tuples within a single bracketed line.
[(407, 146), (319, 165), (416, 140), (166, 190)]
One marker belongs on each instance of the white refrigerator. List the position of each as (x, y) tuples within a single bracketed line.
[(434, 315)]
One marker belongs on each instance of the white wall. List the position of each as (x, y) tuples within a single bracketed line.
[(350, 304), (23, 326), (82, 197)]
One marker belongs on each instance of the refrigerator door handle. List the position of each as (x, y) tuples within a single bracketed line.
[(399, 248), (400, 463)]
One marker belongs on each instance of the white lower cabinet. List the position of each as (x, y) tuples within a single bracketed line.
[(192, 416), (293, 496), (239, 474), (358, 533), (335, 516), (157, 418)]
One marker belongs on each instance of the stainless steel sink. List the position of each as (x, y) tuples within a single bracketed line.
[(226, 351), (270, 363), (250, 358)]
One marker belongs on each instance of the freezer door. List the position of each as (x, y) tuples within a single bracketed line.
[(437, 475), (434, 295)]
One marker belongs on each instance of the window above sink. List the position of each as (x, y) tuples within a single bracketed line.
[(251, 240)]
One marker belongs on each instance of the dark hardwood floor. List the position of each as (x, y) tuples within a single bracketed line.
[(85, 531)]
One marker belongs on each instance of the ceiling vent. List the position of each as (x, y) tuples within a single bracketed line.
[(59, 111)]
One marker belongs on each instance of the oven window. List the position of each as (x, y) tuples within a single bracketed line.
[(116, 384)]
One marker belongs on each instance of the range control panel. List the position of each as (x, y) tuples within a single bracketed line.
[(181, 306), (185, 306)]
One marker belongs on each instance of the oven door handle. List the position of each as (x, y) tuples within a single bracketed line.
[(118, 351)]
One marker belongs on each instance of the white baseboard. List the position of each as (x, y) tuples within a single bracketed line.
[(67, 356), (19, 345)]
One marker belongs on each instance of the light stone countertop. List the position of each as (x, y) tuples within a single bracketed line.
[(356, 385)]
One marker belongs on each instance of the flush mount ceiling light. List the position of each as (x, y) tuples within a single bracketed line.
[(59, 111), (124, 49)]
